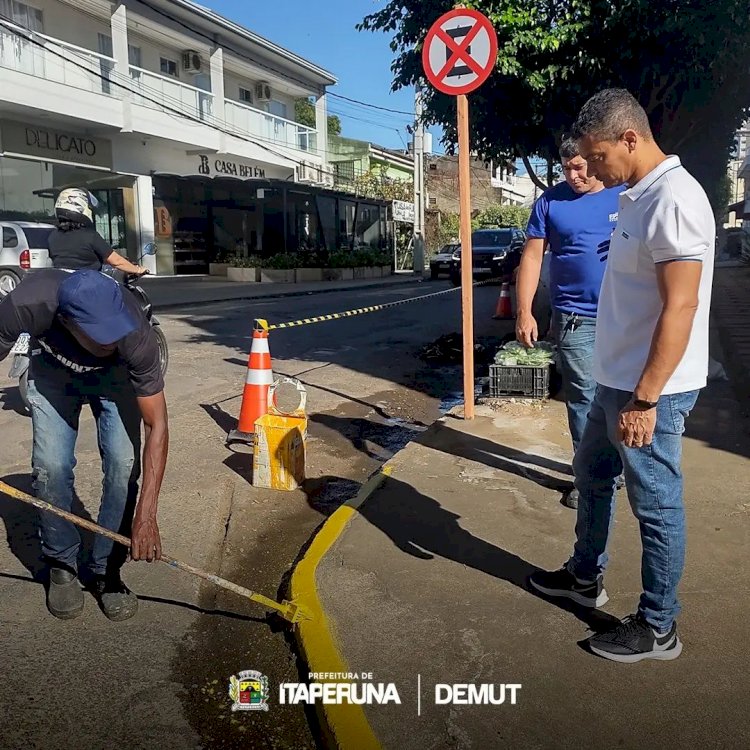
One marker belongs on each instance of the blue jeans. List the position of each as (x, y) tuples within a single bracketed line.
[(57, 396), (575, 349), (653, 478)]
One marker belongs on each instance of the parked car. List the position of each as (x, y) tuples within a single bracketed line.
[(442, 262), (24, 248), (496, 253)]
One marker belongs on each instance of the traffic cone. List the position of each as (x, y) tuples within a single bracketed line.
[(258, 381), (503, 309)]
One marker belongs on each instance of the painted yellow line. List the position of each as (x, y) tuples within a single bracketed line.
[(346, 725)]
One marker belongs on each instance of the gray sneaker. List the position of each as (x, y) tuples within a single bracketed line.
[(64, 593), (115, 599)]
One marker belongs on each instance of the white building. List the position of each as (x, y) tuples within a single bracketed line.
[(178, 120)]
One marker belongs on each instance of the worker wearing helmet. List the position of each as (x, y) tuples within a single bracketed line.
[(76, 244)]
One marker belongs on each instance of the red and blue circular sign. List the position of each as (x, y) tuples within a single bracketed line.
[(460, 51)]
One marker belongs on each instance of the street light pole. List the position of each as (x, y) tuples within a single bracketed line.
[(419, 196)]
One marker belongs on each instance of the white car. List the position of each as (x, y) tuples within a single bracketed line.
[(24, 249)]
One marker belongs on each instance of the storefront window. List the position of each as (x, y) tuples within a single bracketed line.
[(368, 226)]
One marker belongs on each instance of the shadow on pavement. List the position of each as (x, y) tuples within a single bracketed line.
[(419, 526), (21, 526)]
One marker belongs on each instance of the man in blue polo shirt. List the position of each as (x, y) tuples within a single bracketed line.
[(575, 219)]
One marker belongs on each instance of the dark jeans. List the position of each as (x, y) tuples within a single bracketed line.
[(57, 396), (653, 476)]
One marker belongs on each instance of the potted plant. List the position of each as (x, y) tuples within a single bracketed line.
[(219, 267), (245, 269), (310, 265), (339, 266), (279, 269)]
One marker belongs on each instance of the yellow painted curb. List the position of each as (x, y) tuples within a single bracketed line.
[(346, 724)]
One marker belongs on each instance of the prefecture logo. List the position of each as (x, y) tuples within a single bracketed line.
[(249, 691)]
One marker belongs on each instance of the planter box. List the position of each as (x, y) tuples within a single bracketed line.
[(246, 275), (386, 271), (218, 269), (306, 275), (347, 274), (333, 274), (359, 273), (372, 273), (277, 276)]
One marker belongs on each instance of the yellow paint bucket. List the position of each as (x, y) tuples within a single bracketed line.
[(279, 444)]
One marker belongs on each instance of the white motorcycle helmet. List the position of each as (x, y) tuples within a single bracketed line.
[(75, 205)]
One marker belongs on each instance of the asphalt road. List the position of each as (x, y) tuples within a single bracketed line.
[(160, 680)]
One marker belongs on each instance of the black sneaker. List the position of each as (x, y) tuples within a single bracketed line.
[(564, 584), (64, 594), (115, 599), (633, 640)]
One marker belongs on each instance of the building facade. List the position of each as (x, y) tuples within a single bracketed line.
[(177, 120), (353, 159)]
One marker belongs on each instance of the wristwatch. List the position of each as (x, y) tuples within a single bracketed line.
[(643, 404)]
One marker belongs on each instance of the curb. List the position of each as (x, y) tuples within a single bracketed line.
[(345, 726), (282, 295)]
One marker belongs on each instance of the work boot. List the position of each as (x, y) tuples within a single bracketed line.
[(115, 599), (64, 593)]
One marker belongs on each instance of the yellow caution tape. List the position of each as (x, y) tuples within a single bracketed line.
[(363, 310)]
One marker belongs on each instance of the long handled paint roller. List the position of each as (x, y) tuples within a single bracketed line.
[(288, 610)]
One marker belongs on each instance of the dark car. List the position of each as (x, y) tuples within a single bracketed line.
[(496, 253), (442, 262)]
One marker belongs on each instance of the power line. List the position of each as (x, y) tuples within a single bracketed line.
[(255, 62), (371, 106)]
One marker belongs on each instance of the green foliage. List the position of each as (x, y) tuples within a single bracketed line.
[(721, 196), (241, 261), (304, 114), (686, 61), (281, 261), (502, 216), (375, 184)]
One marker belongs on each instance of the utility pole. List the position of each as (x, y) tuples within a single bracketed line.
[(419, 194)]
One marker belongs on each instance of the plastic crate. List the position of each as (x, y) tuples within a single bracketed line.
[(519, 380)]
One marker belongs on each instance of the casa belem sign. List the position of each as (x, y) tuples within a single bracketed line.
[(403, 211), (55, 144), (221, 166)]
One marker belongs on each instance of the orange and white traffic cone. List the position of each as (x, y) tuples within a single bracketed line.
[(503, 309), (258, 381)]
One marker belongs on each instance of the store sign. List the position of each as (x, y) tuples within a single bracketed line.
[(24, 139), (403, 211), (217, 166)]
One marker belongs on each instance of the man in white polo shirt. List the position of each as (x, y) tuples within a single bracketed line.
[(651, 360)]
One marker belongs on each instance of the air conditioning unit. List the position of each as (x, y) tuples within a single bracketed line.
[(262, 92), (309, 173), (191, 61)]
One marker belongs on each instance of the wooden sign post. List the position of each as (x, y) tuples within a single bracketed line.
[(459, 54)]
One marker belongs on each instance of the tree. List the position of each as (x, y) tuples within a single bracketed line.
[(375, 184), (304, 114), (685, 60)]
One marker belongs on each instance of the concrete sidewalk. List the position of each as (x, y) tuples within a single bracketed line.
[(429, 578), (178, 291)]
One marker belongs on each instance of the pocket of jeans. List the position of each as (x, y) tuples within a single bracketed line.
[(680, 406)]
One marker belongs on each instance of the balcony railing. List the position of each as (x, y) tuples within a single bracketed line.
[(54, 60), (163, 92), (67, 64), (269, 128)]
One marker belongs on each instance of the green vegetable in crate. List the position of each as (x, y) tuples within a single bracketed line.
[(514, 354)]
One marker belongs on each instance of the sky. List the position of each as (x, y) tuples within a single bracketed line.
[(323, 31)]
